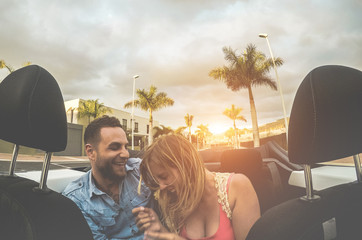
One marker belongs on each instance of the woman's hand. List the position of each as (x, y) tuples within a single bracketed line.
[(150, 235), (147, 219)]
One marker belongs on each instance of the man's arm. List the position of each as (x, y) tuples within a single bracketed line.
[(97, 231)]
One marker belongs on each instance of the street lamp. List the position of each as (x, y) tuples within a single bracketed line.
[(264, 35), (132, 115)]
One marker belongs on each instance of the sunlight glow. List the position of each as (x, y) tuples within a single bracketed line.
[(218, 128)]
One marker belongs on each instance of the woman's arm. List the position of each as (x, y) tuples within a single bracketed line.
[(244, 205)]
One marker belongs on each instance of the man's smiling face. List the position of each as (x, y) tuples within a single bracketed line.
[(111, 154)]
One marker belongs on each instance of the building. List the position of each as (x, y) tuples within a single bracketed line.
[(141, 124)]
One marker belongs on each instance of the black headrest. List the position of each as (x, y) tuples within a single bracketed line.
[(210, 155), (246, 161), (32, 111), (326, 117)]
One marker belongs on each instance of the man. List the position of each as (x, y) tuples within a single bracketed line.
[(108, 192)]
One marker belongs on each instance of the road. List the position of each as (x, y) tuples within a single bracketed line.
[(33, 163)]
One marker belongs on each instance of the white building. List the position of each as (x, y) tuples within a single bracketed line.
[(141, 124)]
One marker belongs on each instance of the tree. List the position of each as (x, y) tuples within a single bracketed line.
[(188, 121), (10, 68), (26, 64), (180, 130), (92, 108), (230, 133), (162, 130), (150, 101), (202, 133), (249, 69), (234, 114), (71, 110), (7, 66)]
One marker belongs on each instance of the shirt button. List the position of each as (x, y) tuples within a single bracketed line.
[(133, 231)]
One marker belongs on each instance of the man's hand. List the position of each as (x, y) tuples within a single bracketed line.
[(147, 219)]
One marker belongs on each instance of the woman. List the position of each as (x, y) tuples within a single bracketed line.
[(194, 202)]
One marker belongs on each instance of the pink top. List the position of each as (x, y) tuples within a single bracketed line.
[(225, 230)]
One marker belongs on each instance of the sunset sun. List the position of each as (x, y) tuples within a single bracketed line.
[(218, 128)]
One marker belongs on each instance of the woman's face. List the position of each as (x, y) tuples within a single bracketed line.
[(166, 179)]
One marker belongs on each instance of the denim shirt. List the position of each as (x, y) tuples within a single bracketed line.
[(106, 218)]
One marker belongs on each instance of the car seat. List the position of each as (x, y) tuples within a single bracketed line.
[(33, 115), (325, 124), (264, 177)]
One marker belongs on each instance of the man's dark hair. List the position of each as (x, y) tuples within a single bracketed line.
[(92, 132)]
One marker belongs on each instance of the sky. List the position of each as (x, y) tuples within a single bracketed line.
[(93, 48)]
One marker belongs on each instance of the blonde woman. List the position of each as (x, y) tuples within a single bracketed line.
[(194, 202)]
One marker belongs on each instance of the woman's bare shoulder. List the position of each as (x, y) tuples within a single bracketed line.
[(240, 180), (240, 187)]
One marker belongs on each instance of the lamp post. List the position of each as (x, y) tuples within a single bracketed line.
[(264, 35), (132, 115)]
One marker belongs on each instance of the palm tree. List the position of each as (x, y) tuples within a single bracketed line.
[(180, 130), (202, 133), (249, 69), (92, 108), (162, 130), (26, 64), (71, 110), (10, 68), (150, 101), (230, 133), (188, 121), (234, 114), (7, 66)]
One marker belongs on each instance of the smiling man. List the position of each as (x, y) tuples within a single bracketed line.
[(107, 193)]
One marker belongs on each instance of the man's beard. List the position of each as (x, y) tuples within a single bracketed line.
[(107, 172)]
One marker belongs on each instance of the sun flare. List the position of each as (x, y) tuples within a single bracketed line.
[(218, 128)]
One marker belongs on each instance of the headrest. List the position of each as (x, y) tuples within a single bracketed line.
[(326, 118), (210, 155), (32, 111), (246, 161)]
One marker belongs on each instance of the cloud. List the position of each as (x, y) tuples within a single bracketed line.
[(93, 48)]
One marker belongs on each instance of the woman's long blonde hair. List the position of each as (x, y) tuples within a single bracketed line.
[(174, 151)]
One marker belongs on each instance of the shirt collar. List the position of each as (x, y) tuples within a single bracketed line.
[(92, 187), (132, 163)]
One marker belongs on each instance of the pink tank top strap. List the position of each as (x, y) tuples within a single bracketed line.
[(229, 180)]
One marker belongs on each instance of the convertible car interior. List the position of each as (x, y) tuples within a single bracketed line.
[(301, 195), (33, 115), (325, 124)]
